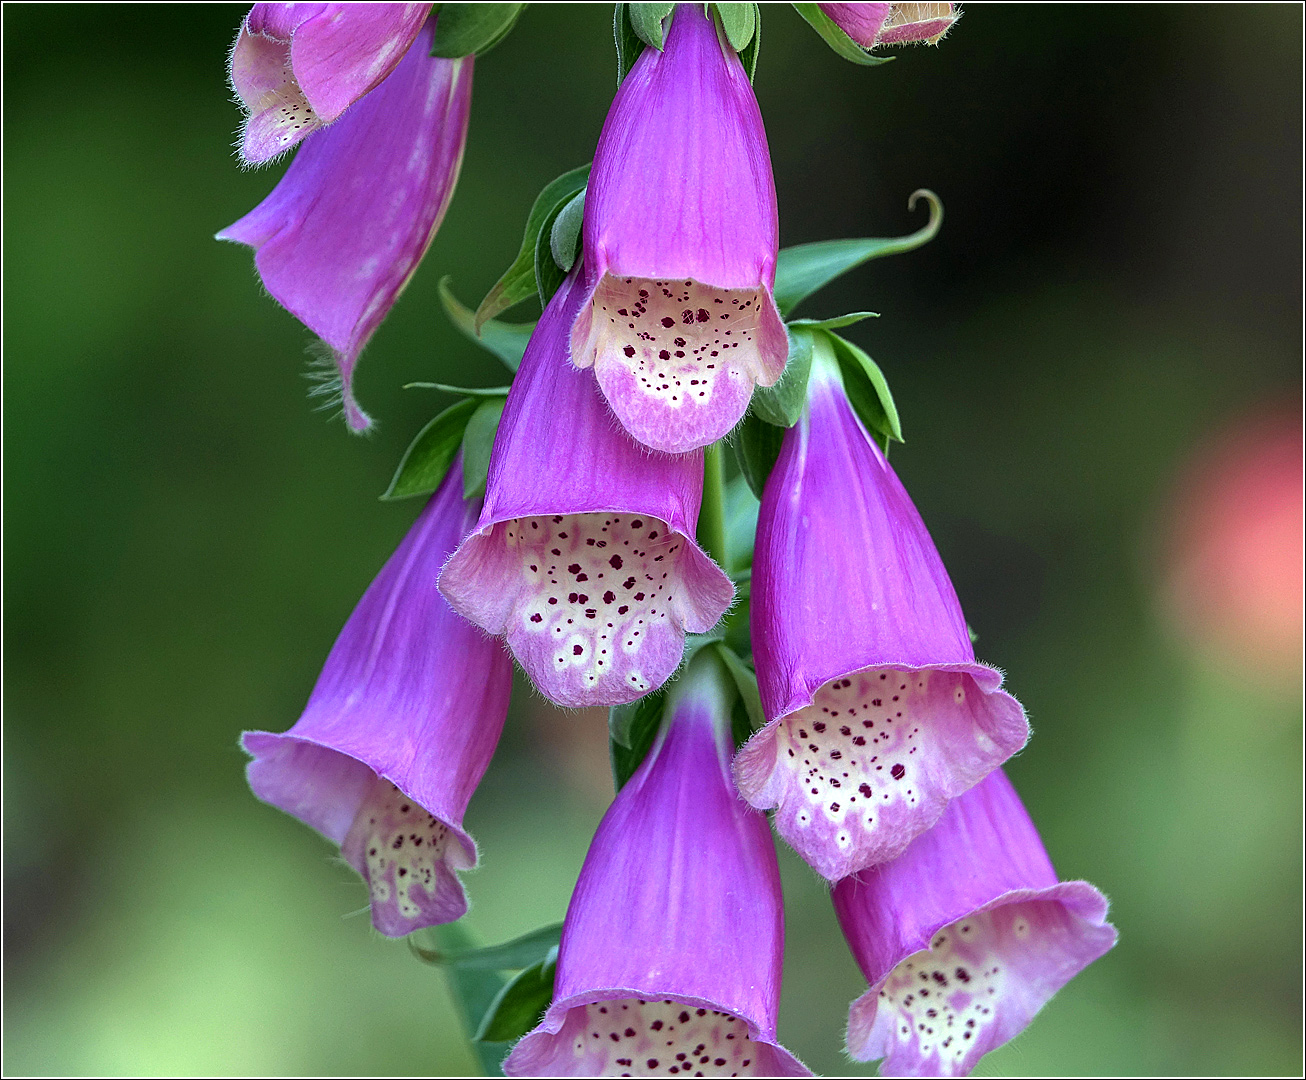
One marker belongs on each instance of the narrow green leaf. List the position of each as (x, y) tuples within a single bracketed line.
[(478, 441), (507, 341), (564, 237), (867, 389), (520, 1004), (836, 323), (474, 991), (741, 527), (462, 391), (631, 731), (757, 445), (748, 54), (518, 282), (629, 45), (646, 20), (738, 21), (428, 457), (520, 952), (801, 270), (464, 29), (840, 42), (782, 404), (746, 684)]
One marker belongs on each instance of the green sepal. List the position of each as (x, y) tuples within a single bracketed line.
[(429, 455), (631, 731), (518, 953), (748, 54), (564, 237), (507, 341), (629, 44), (647, 22), (974, 637), (549, 274), (462, 391), (474, 991), (867, 390), (478, 441), (782, 404), (467, 29), (836, 323), (840, 42), (519, 281), (520, 1005), (801, 270), (757, 446), (738, 22), (746, 683)]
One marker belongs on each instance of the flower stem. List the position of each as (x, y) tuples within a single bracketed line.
[(712, 514)]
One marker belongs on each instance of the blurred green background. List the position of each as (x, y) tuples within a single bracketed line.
[(1116, 289)]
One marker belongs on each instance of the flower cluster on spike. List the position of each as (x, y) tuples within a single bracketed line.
[(877, 738)]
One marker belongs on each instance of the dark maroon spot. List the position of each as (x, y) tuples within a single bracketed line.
[(702, 315), (898, 772), (668, 322), (615, 562), (629, 350), (576, 650), (537, 617)]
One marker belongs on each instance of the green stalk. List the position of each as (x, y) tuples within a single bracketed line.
[(712, 514)]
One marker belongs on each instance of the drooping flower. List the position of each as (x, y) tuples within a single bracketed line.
[(397, 732), (892, 24), (670, 958), (877, 710), (298, 67), (681, 236), (964, 937), (341, 234), (584, 556)]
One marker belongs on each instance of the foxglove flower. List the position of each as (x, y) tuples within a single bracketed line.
[(878, 712), (584, 556), (964, 937), (670, 958), (892, 24), (298, 67), (341, 234), (681, 236), (397, 732)]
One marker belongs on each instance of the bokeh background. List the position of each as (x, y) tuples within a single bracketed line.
[(1098, 367)]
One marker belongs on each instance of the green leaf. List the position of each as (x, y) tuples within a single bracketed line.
[(466, 29), (520, 952), (564, 237), (746, 684), (867, 389), (836, 323), (782, 404), (801, 270), (463, 391), (757, 446), (738, 21), (518, 282), (429, 456), (631, 731), (629, 44), (646, 20), (840, 42), (478, 441), (748, 54), (474, 991), (741, 527), (521, 1003), (507, 341)]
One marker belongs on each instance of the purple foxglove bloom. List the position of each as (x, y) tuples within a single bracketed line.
[(584, 557), (397, 732), (670, 957), (964, 937), (681, 237), (892, 24), (878, 712), (341, 234), (297, 67)]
